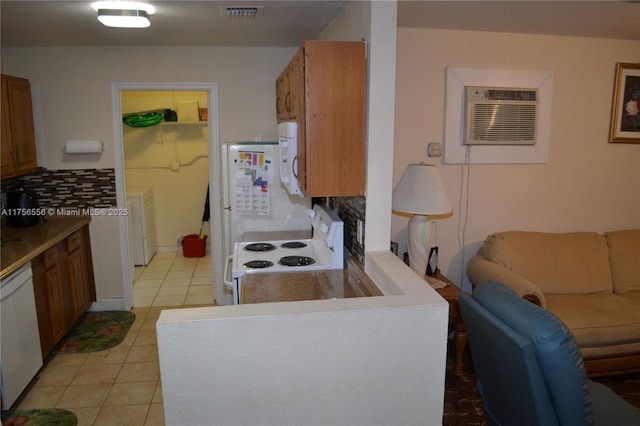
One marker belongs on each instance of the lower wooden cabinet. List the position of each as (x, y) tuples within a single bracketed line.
[(64, 287), (48, 286), (80, 281)]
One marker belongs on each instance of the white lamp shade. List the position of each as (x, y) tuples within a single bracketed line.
[(420, 191)]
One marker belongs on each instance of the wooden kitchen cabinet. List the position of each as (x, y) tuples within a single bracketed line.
[(80, 281), (50, 298), (326, 88), (18, 135), (64, 287), (290, 89)]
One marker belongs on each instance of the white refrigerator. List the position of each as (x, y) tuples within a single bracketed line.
[(255, 202)]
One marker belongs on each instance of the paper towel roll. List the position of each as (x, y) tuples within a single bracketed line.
[(84, 147)]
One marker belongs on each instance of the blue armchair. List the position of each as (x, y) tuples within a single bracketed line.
[(528, 366)]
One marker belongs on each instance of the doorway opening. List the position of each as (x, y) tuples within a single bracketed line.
[(164, 172), (166, 165)]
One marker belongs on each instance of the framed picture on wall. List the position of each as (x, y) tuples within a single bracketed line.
[(625, 112)]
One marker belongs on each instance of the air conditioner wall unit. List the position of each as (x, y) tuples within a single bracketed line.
[(500, 116)]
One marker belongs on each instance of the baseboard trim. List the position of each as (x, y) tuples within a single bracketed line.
[(116, 304)]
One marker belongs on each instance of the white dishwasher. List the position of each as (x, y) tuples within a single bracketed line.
[(20, 354), (142, 233)]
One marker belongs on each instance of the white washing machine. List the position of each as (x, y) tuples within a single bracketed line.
[(142, 232)]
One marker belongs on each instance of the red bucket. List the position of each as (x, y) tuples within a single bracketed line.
[(194, 246)]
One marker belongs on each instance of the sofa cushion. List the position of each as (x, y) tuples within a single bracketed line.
[(598, 320), (632, 295), (555, 347), (559, 263), (624, 257)]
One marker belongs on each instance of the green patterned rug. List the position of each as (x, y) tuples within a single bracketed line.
[(97, 331), (41, 417)]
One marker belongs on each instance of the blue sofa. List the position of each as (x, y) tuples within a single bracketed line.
[(528, 365)]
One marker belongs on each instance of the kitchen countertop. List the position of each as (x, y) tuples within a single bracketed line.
[(310, 285), (21, 245)]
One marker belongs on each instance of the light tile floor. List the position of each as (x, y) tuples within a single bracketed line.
[(121, 386), (171, 279)]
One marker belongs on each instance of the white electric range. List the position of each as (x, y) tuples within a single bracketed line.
[(324, 251)]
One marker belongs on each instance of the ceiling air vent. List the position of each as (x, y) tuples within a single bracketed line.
[(241, 11), (501, 116)]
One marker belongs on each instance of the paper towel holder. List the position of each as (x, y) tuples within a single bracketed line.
[(84, 147)]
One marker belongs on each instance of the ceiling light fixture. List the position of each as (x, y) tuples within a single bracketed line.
[(124, 14)]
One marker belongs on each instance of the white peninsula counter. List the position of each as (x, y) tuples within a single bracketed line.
[(365, 360)]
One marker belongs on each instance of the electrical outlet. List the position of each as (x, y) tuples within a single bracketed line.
[(434, 149)]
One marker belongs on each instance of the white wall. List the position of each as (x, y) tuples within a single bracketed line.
[(588, 184), (73, 85), (72, 100)]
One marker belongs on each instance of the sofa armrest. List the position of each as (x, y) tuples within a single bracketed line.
[(479, 270)]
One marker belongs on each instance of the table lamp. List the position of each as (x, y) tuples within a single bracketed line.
[(420, 192)]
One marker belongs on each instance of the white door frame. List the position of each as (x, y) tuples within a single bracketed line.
[(215, 195)]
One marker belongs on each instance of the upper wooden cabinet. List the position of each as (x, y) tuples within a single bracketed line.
[(290, 89), (324, 89), (18, 137)]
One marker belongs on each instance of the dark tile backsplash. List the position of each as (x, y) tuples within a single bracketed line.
[(96, 188), (69, 189), (350, 210)]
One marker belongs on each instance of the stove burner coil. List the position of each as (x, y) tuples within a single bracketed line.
[(294, 245), (260, 247), (258, 264), (296, 261)]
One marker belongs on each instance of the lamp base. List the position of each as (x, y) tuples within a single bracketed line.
[(420, 241)]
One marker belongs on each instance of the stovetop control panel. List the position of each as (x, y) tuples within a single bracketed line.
[(327, 226)]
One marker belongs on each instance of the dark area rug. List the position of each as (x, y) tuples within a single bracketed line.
[(97, 331), (625, 385), (41, 417), (463, 405)]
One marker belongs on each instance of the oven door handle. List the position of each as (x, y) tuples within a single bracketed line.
[(228, 281), (227, 277)]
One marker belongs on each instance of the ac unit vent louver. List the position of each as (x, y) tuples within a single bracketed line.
[(501, 116), (241, 11)]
